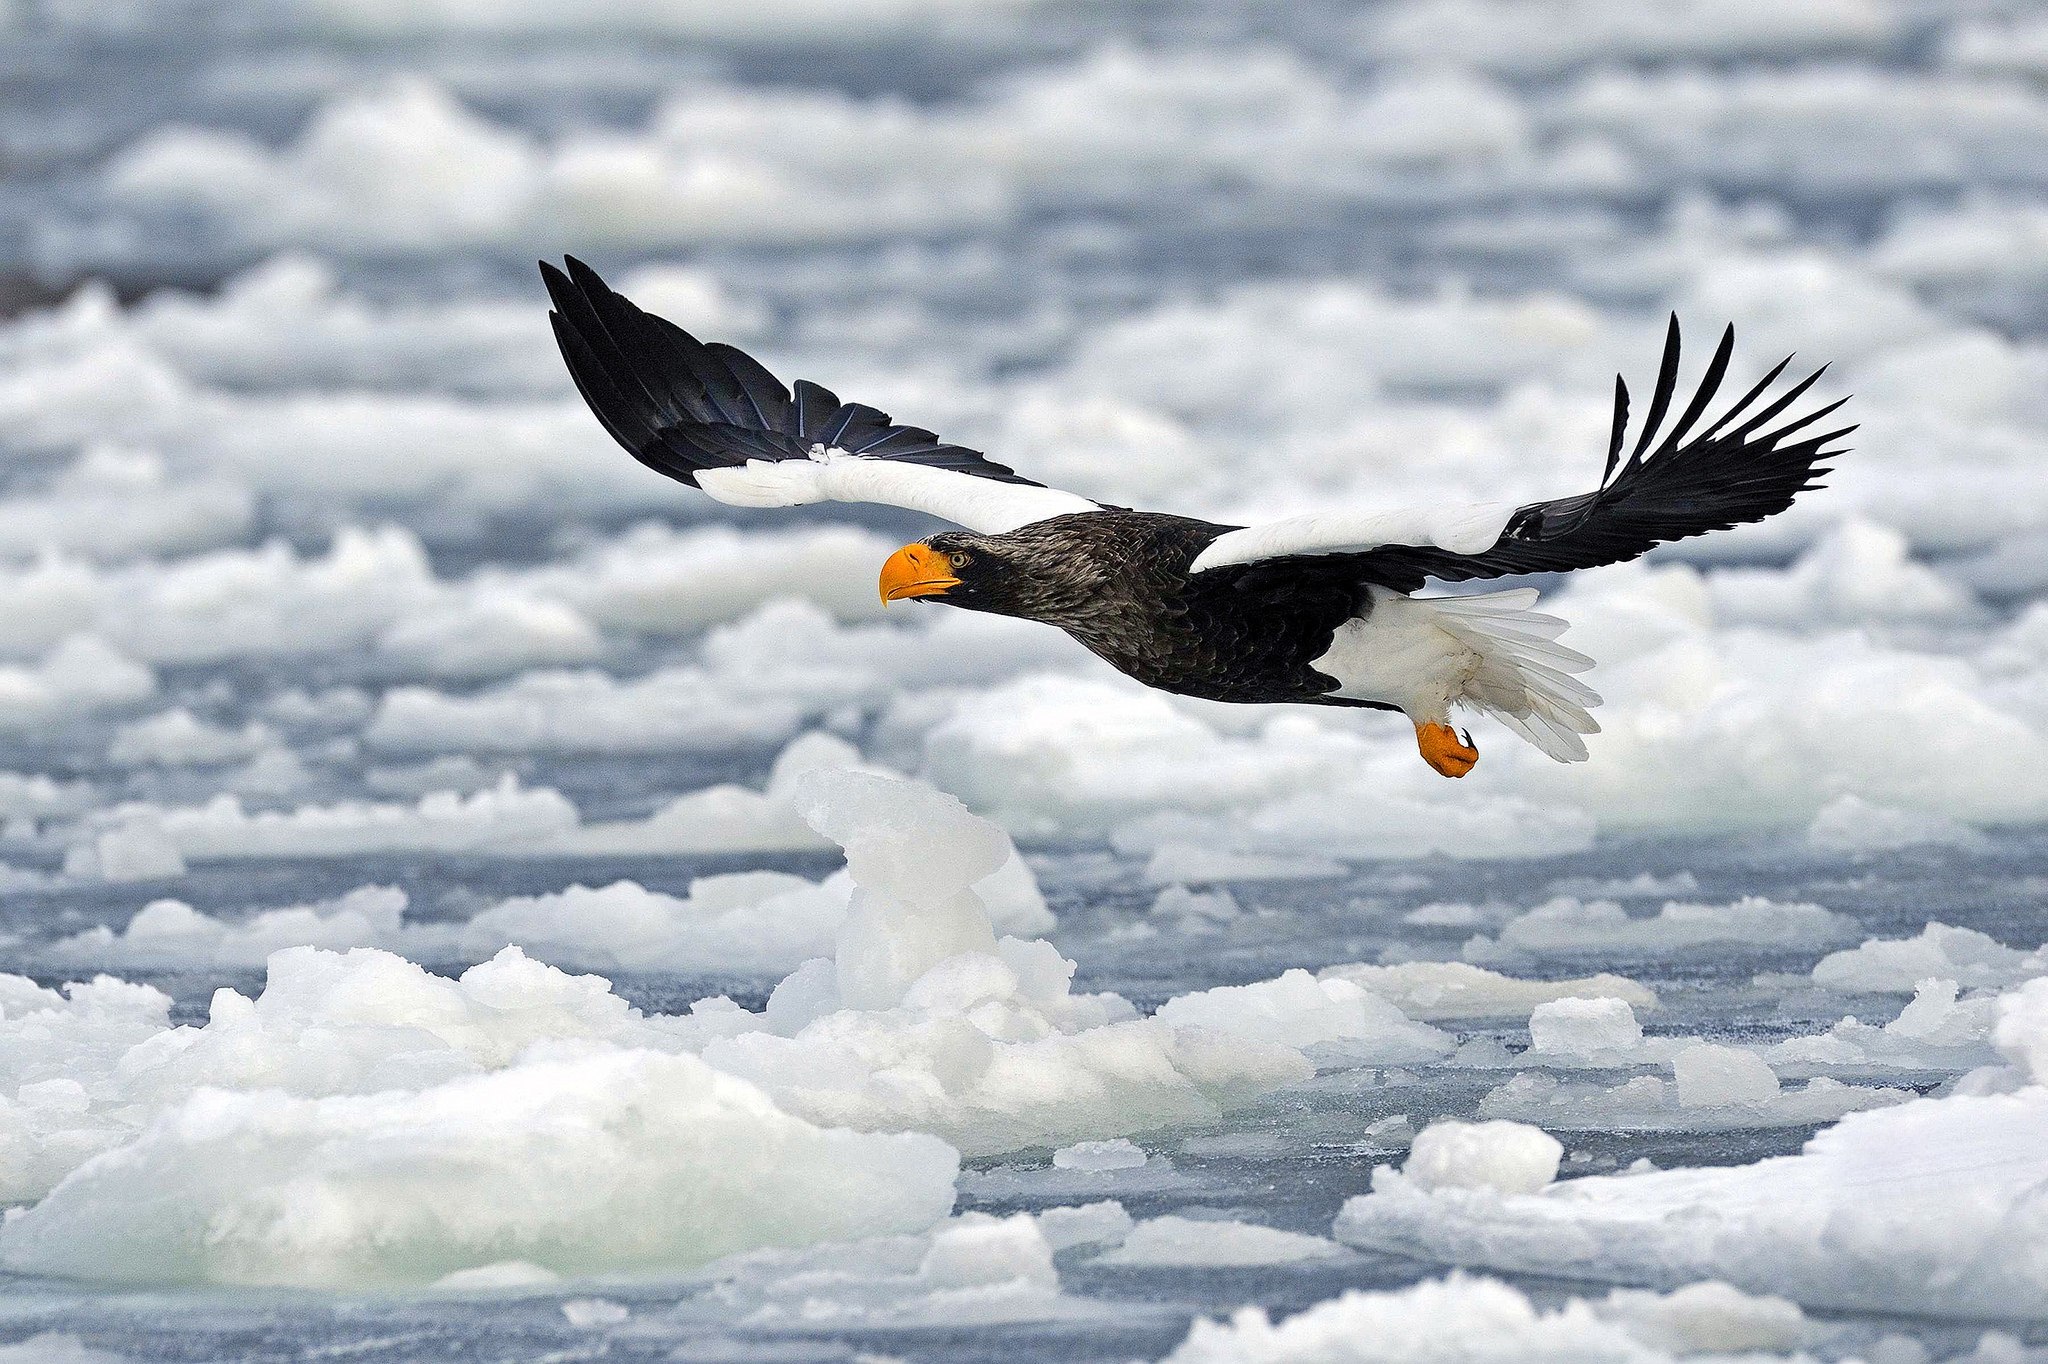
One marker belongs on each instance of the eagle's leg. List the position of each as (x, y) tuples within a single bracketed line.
[(1443, 748)]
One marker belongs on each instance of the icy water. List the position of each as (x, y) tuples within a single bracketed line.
[(438, 920)]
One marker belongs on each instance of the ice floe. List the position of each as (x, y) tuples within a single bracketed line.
[(1201, 1243), (1486, 1321), (1864, 1217)]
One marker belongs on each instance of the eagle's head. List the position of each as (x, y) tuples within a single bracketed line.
[(1008, 575)]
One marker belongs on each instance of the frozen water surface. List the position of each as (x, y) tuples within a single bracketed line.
[(462, 897)]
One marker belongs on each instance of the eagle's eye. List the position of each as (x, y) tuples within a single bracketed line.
[(959, 558)]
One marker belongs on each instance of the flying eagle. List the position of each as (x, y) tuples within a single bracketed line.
[(1316, 609)]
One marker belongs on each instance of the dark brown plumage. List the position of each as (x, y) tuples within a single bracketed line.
[(1118, 581)]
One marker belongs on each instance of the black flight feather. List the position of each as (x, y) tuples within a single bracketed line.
[(1718, 478), (678, 405)]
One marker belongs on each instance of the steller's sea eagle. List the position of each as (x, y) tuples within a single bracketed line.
[(1313, 609)]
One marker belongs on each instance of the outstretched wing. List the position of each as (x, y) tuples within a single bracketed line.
[(1685, 484), (711, 416)]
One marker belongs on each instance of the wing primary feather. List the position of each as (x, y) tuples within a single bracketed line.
[(763, 391), (1660, 401), (599, 393), (1710, 384), (1762, 385), (1620, 430), (1805, 421), (1784, 400)]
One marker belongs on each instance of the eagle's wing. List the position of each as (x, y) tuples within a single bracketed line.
[(1690, 483), (711, 416)]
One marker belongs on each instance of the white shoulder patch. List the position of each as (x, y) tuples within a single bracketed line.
[(979, 504), (1468, 528), (766, 483)]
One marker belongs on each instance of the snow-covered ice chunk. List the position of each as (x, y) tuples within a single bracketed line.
[(1708, 1076), (1192, 863), (137, 850), (1851, 824), (224, 829), (1103, 1222), (171, 933), (593, 1313), (1936, 1030), (970, 1270), (509, 1278), (1460, 1317), (1118, 1153), (1195, 909), (1455, 990), (1332, 1015), (1507, 1157), (1708, 1316), (1568, 927), (1940, 952), (1865, 1218), (613, 1160), (922, 1019), (56, 1347), (672, 710), (1586, 1029), (1190, 1243), (178, 738), (79, 675)]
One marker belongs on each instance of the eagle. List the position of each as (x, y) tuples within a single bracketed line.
[(1319, 609)]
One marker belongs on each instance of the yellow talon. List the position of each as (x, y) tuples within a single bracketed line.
[(1448, 751)]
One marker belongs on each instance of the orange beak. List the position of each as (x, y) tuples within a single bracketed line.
[(916, 571)]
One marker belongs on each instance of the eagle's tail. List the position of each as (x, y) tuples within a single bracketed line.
[(1524, 677)]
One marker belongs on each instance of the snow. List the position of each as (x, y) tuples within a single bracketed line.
[(1512, 38), (595, 1312), (172, 933), (1486, 1321), (624, 1160), (1939, 952), (717, 21), (1327, 1016), (337, 642), (922, 1019), (1708, 1076), (1181, 1241), (668, 711), (1850, 824), (1187, 862), (55, 1347), (1453, 990), (1854, 1221), (1936, 1030), (1718, 1102), (114, 503), (1570, 927), (1506, 1157), (1118, 1153), (80, 674), (1586, 1028), (178, 738), (972, 1270), (139, 850), (1195, 910)]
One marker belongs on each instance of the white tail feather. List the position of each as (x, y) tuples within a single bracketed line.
[(1522, 677)]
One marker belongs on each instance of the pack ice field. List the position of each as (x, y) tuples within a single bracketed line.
[(463, 895)]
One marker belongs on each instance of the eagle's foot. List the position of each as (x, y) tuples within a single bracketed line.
[(1448, 751)]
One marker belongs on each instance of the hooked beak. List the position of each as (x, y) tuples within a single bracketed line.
[(916, 571)]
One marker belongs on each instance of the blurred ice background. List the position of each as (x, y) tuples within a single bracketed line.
[(341, 655)]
